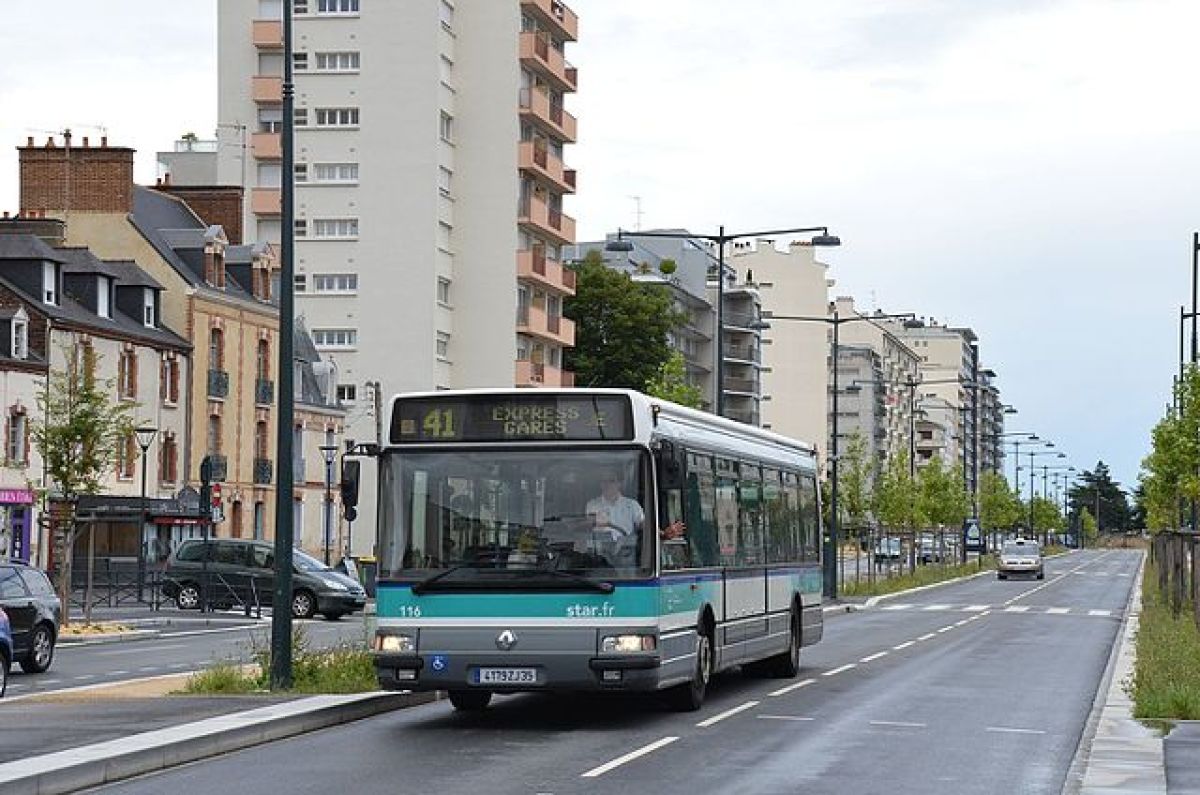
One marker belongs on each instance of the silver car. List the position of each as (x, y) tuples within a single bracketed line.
[(1020, 557)]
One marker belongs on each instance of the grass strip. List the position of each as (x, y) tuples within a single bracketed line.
[(1166, 679)]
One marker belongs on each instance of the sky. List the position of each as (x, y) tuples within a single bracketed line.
[(1028, 168)]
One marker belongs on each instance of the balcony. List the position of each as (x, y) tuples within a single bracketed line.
[(266, 146), (218, 384), (538, 374), (264, 392), (748, 417), (266, 201), (741, 353), (540, 56), (537, 107), (266, 90), (555, 15), (262, 471), (220, 467), (267, 34), (546, 221), (555, 328), (533, 266), (746, 386), (538, 160)]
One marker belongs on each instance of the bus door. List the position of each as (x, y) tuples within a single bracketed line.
[(739, 524)]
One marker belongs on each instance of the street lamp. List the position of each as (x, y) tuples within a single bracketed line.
[(823, 238), (1032, 470), (144, 434), (831, 546), (329, 451)]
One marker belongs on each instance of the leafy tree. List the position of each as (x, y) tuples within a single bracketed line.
[(78, 432), (1046, 515), (943, 499), (1114, 505), (854, 482), (999, 506), (621, 327), (897, 496), (670, 383), (1090, 531)]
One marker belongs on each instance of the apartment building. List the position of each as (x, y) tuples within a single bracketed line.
[(794, 366), (430, 184)]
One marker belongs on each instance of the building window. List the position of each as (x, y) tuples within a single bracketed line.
[(335, 172), (127, 375), (443, 291), (127, 453), (445, 179), (263, 361), (262, 435), (337, 6), (300, 170), (20, 339), (337, 117), (442, 345), (299, 117), (260, 520), (446, 127), (447, 16), (104, 297), (335, 338), (445, 231), (270, 120), (300, 61), (300, 227), (216, 349), (168, 383), (340, 283), (168, 459), (49, 284), (347, 393), (335, 228), (17, 441), (338, 61), (300, 282), (148, 313)]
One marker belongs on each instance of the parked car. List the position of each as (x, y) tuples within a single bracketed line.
[(928, 549), (888, 549), (242, 572), (6, 651), (34, 614), (1021, 556)]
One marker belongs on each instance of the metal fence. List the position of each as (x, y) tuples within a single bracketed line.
[(874, 553), (1177, 565)]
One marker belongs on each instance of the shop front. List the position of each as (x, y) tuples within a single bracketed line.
[(16, 524)]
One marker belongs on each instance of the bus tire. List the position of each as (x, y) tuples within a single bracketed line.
[(787, 665), (690, 697), (470, 700)]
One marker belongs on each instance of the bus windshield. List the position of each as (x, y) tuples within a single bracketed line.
[(515, 519)]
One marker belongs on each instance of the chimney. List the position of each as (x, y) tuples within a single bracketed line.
[(85, 142), (76, 180)]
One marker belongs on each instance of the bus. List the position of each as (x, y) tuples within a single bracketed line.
[(588, 540)]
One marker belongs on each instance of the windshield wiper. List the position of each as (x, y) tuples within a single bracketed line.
[(595, 585), (422, 586)]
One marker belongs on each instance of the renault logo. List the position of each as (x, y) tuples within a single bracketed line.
[(506, 640)]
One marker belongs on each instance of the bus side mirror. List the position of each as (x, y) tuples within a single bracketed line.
[(349, 484), (670, 465)]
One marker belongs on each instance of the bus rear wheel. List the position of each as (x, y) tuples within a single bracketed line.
[(470, 700), (786, 665), (690, 697)]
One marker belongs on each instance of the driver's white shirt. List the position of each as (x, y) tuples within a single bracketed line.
[(623, 513)]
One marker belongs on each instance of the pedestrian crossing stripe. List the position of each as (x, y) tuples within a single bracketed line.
[(1020, 609)]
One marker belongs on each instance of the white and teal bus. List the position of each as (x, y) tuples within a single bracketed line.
[(589, 539)]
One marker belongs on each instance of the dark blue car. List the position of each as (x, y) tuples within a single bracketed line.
[(6, 650)]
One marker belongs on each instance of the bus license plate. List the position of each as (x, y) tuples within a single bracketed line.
[(506, 676)]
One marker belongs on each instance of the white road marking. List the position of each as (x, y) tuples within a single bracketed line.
[(927, 636), (190, 632), (1006, 730), (141, 648), (1059, 611), (704, 724), (945, 629), (903, 645), (874, 656), (901, 723), (936, 607), (960, 623), (148, 668), (1017, 609), (897, 607), (837, 671), (117, 673), (629, 757), (975, 608), (784, 717), (785, 690), (1099, 612)]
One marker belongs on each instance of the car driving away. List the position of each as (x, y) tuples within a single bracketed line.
[(1018, 557), (34, 614)]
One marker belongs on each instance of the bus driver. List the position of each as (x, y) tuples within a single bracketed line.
[(612, 510)]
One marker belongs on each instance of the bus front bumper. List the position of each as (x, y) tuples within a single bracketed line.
[(508, 673)]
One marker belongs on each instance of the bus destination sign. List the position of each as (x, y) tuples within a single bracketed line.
[(511, 418)]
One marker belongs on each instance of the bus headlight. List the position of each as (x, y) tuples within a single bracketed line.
[(392, 643), (627, 644)]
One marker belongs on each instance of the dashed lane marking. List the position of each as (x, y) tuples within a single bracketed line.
[(1099, 612), (897, 607), (1059, 611), (784, 717), (1008, 730), (841, 669), (927, 636), (945, 629), (976, 608), (785, 690), (900, 723), (875, 656), (903, 645), (629, 757), (1017, 609), (936, 607), (704, 724)]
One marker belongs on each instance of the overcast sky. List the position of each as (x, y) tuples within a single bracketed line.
[(1025, 167)]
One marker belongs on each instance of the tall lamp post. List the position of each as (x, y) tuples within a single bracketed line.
[(144, 434), (720, 240), (836, 321), (1032, 472), (330, 453)]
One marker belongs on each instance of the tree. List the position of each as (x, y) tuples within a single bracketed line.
[(1089, 525), (670, 383), (78, 432), (999, 506), (854, 482), (621, 327), (943, 499), (1114, 505), (897, 497), (1046, 515)]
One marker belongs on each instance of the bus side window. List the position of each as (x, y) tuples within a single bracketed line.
[(810, 523), (675, 554), (750, 536), (727, 511), (700, 510), (778, 530)]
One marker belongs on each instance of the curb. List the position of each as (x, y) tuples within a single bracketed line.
[(106, 762), (108, 637), (1121, 755)]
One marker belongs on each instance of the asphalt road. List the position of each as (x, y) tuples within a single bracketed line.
[(188, 644), (977, 687)]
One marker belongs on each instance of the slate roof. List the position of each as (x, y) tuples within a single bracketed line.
[(81, 260), (22, 246), (130, 275)]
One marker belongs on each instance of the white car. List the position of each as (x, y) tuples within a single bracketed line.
[(1021, 556)]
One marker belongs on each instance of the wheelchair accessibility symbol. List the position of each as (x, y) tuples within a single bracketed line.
[(439, 663)]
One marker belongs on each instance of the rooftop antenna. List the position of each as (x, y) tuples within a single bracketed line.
[(637, 213)]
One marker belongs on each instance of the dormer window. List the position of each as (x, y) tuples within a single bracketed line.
[(49, 283), (104, 297), (20, 337), (214, 266), (148, 314)]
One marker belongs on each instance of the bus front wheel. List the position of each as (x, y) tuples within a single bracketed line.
[(690, 697), (470, 700)]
